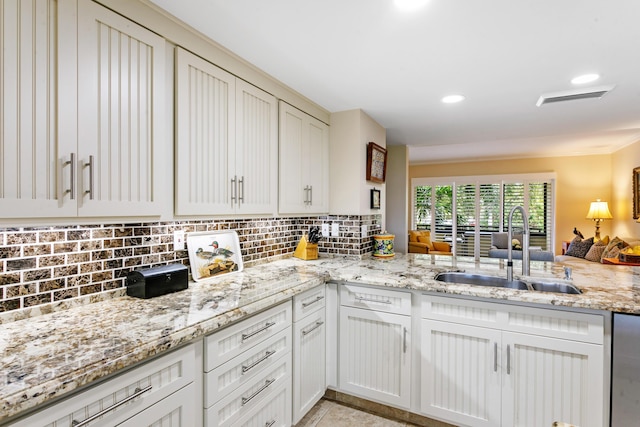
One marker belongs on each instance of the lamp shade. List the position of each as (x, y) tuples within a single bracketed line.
[(599, 210)]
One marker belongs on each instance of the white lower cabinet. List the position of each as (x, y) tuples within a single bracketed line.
[(162, 392), (487, 364), (178, 410), (248, 371), (309, 351), (375, 346)]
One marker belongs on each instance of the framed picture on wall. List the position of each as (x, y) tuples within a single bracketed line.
[(636, 193), (376, 163), (375, 199)]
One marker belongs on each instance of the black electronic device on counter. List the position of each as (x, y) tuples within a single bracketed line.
[(156, 281)]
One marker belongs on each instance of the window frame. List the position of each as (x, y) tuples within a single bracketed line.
[(477, 181)]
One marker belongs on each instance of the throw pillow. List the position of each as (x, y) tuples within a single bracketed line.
[(613, 248), (595, 252), (579, 248), (427, 240)]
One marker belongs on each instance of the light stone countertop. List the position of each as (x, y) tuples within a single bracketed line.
[(49, 355)]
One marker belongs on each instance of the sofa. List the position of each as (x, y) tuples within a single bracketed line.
[(586, 251), (500, 243), (420, 243)]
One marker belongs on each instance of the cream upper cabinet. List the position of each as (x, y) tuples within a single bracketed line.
[(226, 143), (34, 149), (81, 111), (120, 114), (304, 162)]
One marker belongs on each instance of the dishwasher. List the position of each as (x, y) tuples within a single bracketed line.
[(625, 371)]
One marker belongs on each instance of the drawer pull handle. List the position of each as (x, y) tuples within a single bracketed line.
[(269, 423), (363, 299), (316, 326), (267, 355), (404, 341), (508, 360), (495, 357), (137, 393), (264, 328), (307, 304), (267, 383)]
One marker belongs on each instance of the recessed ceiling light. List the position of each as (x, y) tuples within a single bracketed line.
[(452, 99), (409, 5), (585, 78)]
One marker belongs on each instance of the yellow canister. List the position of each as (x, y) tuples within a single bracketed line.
[(383, 245)]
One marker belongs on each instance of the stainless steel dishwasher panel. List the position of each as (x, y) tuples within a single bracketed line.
[(625, 371)]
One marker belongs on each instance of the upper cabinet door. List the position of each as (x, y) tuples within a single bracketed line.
[(120, 114), (205, 132), (256, 153), (34, 170), (304, 162)]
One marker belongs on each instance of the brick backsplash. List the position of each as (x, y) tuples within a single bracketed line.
[(42, 265)]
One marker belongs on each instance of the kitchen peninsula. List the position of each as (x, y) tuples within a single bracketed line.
[(50, 355)]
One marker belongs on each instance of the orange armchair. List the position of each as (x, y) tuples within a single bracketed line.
[(420, 243)]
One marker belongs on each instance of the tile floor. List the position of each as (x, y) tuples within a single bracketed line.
[(327, 413)]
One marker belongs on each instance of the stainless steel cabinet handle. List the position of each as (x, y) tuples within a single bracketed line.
[(508, 359), (267, 383), (234, 189), (310, 195), (264, 328), (137, 393), (90, 166), (269, 423), (363, 299), (316, 326), (495, 357), (404, 341), (241, 194), (306, 195), (307, 304), (267, 355), (72, 176)]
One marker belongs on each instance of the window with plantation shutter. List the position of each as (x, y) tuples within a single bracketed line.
[(465, 211)]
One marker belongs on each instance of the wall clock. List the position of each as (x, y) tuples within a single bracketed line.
[(376, 163)]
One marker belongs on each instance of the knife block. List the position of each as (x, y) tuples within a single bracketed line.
[(306, 250)]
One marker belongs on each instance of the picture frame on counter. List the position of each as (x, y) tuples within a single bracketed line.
[(375, 199), (376, 163)]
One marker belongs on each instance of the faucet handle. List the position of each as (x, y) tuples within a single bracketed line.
[(567, 273)]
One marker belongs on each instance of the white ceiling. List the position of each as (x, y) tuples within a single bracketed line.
[(396, 66)]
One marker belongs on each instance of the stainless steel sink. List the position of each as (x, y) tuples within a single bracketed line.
[(481, 280), (563, 288)]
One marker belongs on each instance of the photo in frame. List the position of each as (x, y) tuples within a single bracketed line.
[(636, 192), (375, 199), (213, 253), (376, 163)]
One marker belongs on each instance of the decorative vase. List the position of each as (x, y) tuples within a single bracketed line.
[(383, 245)]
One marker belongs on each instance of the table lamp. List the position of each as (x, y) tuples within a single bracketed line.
[(599, 211)]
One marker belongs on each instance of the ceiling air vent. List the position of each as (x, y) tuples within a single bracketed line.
[(572, 95)]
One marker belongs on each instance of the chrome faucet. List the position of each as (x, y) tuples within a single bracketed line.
[(525, 244)]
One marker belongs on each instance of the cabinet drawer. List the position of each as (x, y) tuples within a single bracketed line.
[(222, 346), (375, 299), (555, 323), (308, 302), (128, 393), (271, 413), (241, 369), (236, 405), (177, 410)]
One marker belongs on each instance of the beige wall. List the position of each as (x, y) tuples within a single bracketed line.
[(580, 180), (623, 162)]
